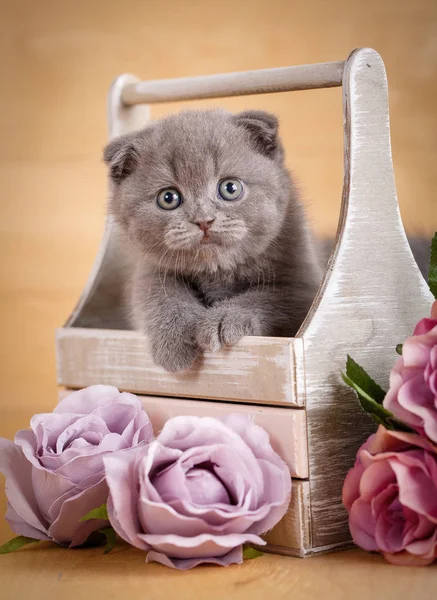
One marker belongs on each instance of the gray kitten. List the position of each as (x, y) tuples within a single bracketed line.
[(223, 249)]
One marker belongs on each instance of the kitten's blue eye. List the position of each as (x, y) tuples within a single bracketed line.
[(230, 189), (169, 199)]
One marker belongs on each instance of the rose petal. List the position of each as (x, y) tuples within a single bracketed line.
[(47, 427), (425, 325), (121, 470), (362, 525), (156, 458), (425, 548), (416, 398), (200, 546), (26, 440), (235, 556), (351, 486), (416, 490), (389, 523), (47, 487), (277, 481), (88, 399), (67, 528), (406, 559), (87, 425), (19, 526), (205, 489), (186, 433), (117, 416), (18, 472), (375, 479), (255, 437)]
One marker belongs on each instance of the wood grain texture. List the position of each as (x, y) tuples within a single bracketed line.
[(371, 298), (292, 535), (89, 575), (256, 370), (284, 79)]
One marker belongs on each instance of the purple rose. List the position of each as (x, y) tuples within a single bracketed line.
[(54, 471), (198, 492), (391, 496), (412, 396)]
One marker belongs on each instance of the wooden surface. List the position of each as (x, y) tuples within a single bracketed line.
[(49, 572), (372, 296), (257, 369)]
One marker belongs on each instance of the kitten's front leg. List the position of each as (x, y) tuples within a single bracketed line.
[(168, 313), (224, 324)]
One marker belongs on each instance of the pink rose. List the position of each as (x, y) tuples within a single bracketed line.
[(54, 471), (412, 396), (391, 496), (198, 492)]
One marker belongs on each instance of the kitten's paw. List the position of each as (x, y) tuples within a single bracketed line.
[(174, 356), (225, 326)]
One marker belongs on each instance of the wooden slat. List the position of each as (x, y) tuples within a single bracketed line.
[(292, 534), (371, 298), (257, 370), (286, 427), (283, 79)]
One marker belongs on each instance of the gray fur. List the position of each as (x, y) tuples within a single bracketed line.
[(257, 273)]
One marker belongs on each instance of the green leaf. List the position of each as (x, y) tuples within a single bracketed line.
[(379, 414), (16, 544), (249, 553), (97, 513), (399, 349), (371, 406), (359, 377), (432, 274), (111, 538)]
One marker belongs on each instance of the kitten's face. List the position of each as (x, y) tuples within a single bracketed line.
[(200, 191)]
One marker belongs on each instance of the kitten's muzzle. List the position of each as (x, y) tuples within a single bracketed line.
[(204, 226)]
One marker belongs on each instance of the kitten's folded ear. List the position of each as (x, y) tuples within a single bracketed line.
[(122, 156), (262, 128)]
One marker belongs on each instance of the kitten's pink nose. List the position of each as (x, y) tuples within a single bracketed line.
[(205, 226)]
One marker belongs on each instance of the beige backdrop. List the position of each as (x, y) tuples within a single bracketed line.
[(58, 59)]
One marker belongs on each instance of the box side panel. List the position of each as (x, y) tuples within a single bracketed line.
[(257, 370)]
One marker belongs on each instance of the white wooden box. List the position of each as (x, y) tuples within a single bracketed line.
[(371, 297)]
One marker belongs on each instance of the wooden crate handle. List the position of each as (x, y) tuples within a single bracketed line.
[(264, 81)]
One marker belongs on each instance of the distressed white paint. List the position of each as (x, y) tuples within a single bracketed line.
[(372, 296), (369, 301), (255, 370)]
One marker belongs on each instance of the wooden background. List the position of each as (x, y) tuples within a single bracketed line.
[(58, 58)]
